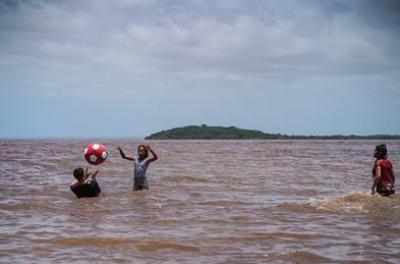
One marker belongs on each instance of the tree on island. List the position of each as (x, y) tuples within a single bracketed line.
[(218, 132)]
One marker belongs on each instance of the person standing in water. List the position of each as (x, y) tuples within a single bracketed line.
[(382, 172), (140, 164)]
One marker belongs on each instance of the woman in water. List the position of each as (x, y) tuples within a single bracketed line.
[(382, 172), (140, 165)]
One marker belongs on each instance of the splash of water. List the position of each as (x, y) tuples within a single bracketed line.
[(354, 203)]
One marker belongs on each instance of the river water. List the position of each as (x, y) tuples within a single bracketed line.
[(209, 202)]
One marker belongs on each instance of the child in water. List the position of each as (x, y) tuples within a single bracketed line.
[(382, 172), (83, 186), (140, 165)]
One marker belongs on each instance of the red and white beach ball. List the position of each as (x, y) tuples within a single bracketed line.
[(95, 153)]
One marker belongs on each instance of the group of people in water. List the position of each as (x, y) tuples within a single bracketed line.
[(85, 183)]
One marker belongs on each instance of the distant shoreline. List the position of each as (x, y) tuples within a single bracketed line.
[(205, 132)]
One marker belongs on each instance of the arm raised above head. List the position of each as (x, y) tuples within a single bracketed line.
[(121, 152), (155, 157), (86, 174), (94, 174)]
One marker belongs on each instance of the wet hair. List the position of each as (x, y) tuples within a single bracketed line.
[(380, 151), (78, 173), (146, 153)]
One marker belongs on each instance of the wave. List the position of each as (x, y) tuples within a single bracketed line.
[(352, 203), (141, 244), (185, 178), (304, 256), (356, 203)]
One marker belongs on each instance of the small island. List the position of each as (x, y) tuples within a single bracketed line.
[(219, 132)]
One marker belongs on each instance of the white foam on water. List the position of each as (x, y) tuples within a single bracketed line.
[(353, 203)]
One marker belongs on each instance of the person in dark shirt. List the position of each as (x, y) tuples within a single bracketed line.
[(85, 184)]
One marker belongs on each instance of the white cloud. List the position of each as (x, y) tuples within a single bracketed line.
[(193, 52), (247, 44)]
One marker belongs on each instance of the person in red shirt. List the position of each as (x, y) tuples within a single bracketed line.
[(382, 172)]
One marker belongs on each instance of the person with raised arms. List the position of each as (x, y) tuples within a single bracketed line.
[(85, 183), (140, 164)]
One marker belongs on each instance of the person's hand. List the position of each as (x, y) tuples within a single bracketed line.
[(148, 147), (94, 174), (119, 148)]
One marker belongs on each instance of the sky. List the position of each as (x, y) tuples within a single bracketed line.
[(130, 68)]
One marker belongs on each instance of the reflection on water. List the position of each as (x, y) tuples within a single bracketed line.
[(209, 202)]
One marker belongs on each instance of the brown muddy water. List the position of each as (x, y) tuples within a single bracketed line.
[(209, 202)]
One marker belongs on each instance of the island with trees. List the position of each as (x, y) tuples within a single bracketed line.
[(219, 132)]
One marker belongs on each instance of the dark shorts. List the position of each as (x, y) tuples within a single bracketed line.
[(385, 190), (140, 187)]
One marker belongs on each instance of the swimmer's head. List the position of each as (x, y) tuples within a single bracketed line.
[(78, 173), (380, 151), (143, 152)]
